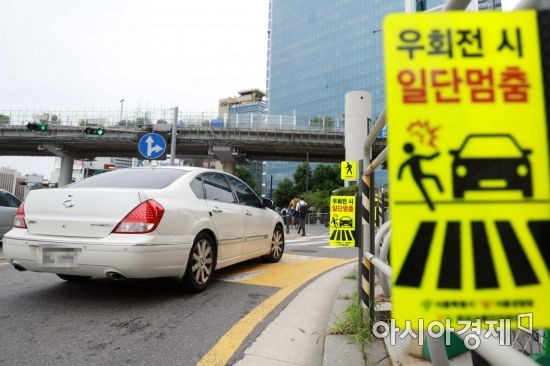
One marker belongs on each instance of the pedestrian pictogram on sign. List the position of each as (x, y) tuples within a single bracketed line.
[(348, 170), (342, 221), (468, 166)]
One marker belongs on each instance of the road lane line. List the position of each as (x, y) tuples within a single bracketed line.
[(289, 276), (4, 264)]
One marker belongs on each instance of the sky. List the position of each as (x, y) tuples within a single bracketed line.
[(93, 53)]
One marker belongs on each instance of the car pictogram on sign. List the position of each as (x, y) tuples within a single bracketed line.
[(346, 221), (487, 162)]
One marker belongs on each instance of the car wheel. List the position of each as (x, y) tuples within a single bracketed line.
[(201, 264), (73, 278), (277, 246)]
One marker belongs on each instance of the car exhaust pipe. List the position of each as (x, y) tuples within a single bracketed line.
[(115, 276), (19, 267)]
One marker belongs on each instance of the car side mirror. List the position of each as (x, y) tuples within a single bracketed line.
[(267, 203)]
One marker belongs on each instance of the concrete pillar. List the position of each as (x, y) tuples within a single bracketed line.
[(66, 171), (358, 110), (229, 168)]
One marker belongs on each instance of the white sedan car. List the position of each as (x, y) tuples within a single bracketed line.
[(144, 223)]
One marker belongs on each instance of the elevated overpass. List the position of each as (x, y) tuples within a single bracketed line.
[(230, 140), (246, 143)]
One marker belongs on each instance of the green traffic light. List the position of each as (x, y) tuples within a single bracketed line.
[(100, 132), (42, 127)]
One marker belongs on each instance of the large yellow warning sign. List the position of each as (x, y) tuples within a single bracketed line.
[(342, 221), (348, 170), (469, 167)]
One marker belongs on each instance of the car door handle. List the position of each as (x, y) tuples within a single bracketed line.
[(248, 213), (217, 210)]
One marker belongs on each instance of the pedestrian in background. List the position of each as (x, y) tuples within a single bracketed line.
[(301, 210)]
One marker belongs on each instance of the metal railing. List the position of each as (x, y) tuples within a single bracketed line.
[(374, 249), (135, 118)]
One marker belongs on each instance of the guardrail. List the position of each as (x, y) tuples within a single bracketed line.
[(146, 117), (373, 257)]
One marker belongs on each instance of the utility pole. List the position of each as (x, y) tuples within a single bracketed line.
[(174, 137), (307, 171)]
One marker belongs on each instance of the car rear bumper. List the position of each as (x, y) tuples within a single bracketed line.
[(92, 259)]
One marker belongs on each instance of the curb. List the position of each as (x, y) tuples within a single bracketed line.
[(339, 349)]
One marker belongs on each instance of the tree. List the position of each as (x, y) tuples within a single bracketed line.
[(4, 120), (326, 122), (326, 177), (284, 193), (55, 120), (319, 199), (302, 171), (244, 174)]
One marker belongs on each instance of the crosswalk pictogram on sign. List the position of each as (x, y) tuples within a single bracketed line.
[(341, 235), (484, 267)]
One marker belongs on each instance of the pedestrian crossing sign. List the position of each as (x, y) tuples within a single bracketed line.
[(468, 166), (342, 221), (348, 170)]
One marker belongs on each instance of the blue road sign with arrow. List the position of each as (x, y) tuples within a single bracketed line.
[(152, 146)]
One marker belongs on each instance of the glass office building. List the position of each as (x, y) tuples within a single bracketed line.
[(318, 50)]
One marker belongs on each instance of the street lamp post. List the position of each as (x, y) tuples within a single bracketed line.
[(121, 107)]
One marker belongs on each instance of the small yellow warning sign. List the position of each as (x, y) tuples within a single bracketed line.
[(468, 169), (348, 170), (342, 221)]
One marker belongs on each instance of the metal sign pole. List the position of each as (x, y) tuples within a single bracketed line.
[(174, 136), (359, 229)]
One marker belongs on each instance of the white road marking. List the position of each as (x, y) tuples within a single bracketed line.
[(306, 243), (306, 238), (4, 264)]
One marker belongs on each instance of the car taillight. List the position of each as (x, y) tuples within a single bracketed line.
[(19, 219), (142, 219)]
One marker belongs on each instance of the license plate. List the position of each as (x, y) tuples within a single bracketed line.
[(58, 257)]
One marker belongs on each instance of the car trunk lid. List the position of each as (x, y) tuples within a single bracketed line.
[(91, 213)]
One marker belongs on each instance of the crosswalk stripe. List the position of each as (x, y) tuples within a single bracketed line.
[(413, 268), (449, 273), (517, 260), (485, 274), (541, 233), (306, 238), (306, 243)]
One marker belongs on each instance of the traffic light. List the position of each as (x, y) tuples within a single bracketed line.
[(99, 131), (40, 127)]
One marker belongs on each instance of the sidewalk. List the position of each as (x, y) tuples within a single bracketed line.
[(296, 335)]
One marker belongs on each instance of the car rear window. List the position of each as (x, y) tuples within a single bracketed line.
[(132, 178), (7, 200)]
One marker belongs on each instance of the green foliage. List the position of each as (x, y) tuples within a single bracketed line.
[(326, 177), (319, 199), (55, 120), (284, 193), (299, 176), (4, 120), (243, 173), (318, 122), (346, 191)]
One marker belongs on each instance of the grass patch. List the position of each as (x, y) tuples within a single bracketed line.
[(351, 323), (345, 297), (352, 275)]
